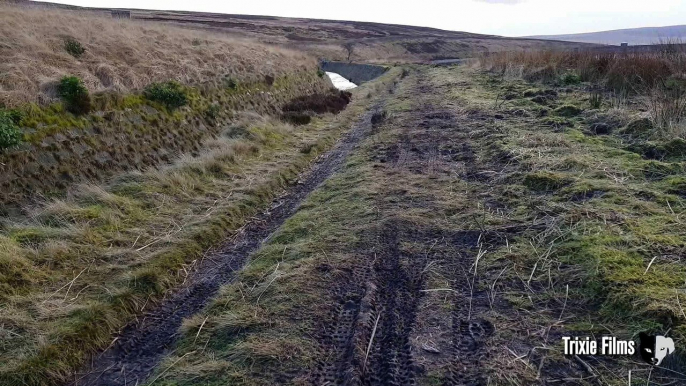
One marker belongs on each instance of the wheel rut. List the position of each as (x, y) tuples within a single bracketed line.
[(377, 332), (140, 346), (368, 339)]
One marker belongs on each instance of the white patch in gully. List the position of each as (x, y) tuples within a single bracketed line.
[(340, 82)]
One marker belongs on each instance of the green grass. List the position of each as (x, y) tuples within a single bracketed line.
[(615, 227), (82, 267), (260, 330), (258, 324), (597, 215)]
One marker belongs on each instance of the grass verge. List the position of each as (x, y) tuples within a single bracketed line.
[(82, 267)]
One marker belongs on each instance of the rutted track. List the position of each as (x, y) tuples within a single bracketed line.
[(371, 337), (141, 345)]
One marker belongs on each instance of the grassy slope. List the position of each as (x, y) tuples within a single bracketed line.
[(598, 252), (122, 55), (85, 265), (330, 39)]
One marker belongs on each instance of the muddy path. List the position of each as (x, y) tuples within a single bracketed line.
[(138, 349), (392, 323)]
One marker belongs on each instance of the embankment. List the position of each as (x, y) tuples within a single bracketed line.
[(132, 133)]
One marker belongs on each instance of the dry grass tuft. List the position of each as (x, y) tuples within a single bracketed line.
[(630, 72), (657, 77), (121, 55)]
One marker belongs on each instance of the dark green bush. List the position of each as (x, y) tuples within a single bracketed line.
[(570, 78), (212, 112), (320, 73), (15, 115), (170, 94), (230, 83), (567, 111), (10, 135), (75, 95), (73, 47)]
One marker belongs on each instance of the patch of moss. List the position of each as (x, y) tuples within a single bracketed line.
[(545, 181), (31, 235), (674, 150), (567, 111), (676, 185), (656, 170)]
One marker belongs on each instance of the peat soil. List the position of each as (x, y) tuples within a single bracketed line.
[(138, 349)]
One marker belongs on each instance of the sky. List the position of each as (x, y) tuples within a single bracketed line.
[(498, 17)]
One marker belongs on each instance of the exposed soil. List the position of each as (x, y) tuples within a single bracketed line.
[(333, 102), (140, 346), (299, 111)]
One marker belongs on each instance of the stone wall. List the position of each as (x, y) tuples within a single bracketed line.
[(356, 73)]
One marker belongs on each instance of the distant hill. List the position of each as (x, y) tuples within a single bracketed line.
[(633, 36)]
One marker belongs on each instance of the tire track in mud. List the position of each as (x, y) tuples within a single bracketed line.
[(398, 281), (377, 305), (140, 346), (380, 303)]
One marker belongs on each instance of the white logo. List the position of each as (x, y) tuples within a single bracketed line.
[(655, 348)]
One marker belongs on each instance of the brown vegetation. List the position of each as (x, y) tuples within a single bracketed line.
[(120, 55), (345, 40), (654, 79)]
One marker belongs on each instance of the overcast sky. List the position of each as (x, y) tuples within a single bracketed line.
[(500, 17)]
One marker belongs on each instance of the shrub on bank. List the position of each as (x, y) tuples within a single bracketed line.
[(570, 79), (10, 135), (74, 47), (170, 94), (75, 95)]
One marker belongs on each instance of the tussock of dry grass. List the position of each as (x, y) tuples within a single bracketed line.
[(632, 72), (121, 55), (70, 263), (657, 78)]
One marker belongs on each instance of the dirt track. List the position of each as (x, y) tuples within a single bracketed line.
[(417, 309), (138, 349), (383, 301), (430, 290)]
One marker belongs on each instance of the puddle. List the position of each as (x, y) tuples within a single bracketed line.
[(340, 82)]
